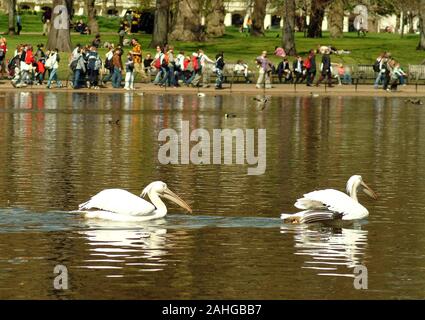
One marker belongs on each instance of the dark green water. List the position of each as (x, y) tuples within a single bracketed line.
[(57, 150)]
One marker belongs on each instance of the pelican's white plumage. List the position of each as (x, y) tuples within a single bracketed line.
[(332, 204), (121, 205), (333, 200), (118, 201)]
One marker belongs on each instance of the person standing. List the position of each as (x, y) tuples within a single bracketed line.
[(196, 74), (204, 60), (157, 63), (248, 25), (137, 58), (171, 67), (382, 73), (326, 71), (219, 66), (80, 68), (265, 69), (18, 23), (108, 64), (117, 63), (3, 51), (40, 58), (45, 18), (121, 33), (310, 65), (54, 56), (93, 66), (129, 72)]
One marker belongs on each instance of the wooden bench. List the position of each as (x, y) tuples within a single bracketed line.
[(363, 73), (416, 73)]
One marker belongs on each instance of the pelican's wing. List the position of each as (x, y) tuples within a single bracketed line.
[(330, 199), (310, 216), (118, 201)]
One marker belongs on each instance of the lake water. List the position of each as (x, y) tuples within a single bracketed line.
[(59, 149)]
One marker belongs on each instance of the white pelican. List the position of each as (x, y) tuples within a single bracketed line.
[(121, 205), (332, 204)]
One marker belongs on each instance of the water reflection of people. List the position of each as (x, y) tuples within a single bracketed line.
[(329, 248)]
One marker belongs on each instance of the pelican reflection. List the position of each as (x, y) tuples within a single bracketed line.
[(118, 245), (330, 250)]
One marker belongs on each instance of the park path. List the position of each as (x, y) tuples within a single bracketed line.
[(278, 89)]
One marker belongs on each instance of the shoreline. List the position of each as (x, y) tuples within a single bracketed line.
[(248, 89)]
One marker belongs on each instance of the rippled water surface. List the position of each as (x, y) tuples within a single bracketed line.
[(58, 149)]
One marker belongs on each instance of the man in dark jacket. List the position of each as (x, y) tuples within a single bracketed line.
[(311, 69), (326, 70)]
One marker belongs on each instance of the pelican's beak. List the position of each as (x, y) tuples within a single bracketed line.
[(170, 195), (366, 189)]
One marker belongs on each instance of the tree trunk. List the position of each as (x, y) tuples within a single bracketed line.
[(104, 8), (402, 23), (316, 18), (91, 17), (59, 36), (160, 30), (288, 32), (258, 16), (410, 18), (397, 23), (11, 12), (421, 45), (336, 19), (215, 19), (188, 22)]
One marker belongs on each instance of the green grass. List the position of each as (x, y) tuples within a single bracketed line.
[(236, 45)]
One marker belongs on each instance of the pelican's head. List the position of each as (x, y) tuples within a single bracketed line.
[(356, 182), (160, 188)]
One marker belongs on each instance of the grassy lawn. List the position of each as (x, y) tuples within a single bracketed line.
[(236, 45)]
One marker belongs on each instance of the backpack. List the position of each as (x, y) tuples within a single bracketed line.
[(158, 63), (49, 62), (165, 60), (307, 63), (108, 63), (98, 63), (195, 64), (73, 65), (376, 66)]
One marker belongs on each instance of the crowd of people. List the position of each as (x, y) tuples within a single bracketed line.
[(89, 69), (389, 73)]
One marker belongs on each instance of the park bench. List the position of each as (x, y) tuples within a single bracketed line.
[(416, 73), (363, 73)]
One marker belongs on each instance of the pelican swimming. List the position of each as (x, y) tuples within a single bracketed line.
[(332, 204), (121, 205)]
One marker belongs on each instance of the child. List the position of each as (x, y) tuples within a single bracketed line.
[(129, 73)]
